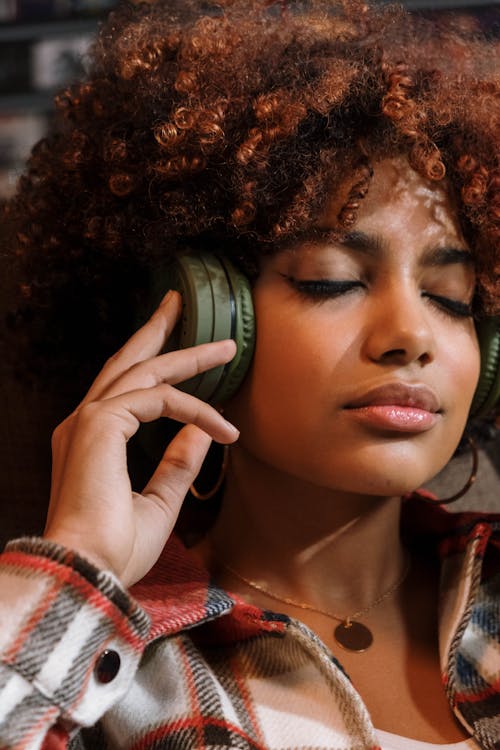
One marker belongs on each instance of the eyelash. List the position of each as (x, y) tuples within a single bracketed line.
[(452, 307), (323, 289)]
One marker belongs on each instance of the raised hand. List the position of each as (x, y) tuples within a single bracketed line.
[(93, 508)]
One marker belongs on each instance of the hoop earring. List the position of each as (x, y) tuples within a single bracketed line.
[(470, 481), (220, 479)]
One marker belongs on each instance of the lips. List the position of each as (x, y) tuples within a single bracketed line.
[(398, 394)]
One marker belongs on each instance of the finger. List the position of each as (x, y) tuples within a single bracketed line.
[(121, 415), (145, 343), (98, 428), (177, 470), (173, 367)]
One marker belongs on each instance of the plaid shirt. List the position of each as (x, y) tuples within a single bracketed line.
[(200, 668)]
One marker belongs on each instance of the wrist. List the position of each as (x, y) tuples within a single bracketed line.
[(72, 544)]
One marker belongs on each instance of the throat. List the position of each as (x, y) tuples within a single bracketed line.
[(329, 557), (309, 552)]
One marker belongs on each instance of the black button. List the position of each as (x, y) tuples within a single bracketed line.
[(107, 666)]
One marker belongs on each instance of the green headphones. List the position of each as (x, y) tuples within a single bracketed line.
[(217, 304)]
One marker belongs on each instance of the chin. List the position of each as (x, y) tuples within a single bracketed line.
[(385, 487), (386, 471)]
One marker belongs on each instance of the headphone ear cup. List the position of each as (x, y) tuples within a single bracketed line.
[(243, 333), (206, 314), (487, 393), (217, 305)]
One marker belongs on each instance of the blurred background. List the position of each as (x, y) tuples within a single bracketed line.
[(43, 45)]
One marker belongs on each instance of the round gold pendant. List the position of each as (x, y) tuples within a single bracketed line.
[(353, 636)]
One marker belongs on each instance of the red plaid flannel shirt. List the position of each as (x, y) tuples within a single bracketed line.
[(200, 668)]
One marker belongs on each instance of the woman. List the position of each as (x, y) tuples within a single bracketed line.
[(359, 195)]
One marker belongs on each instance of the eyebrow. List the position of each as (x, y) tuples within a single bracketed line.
[(374, 245), (443, 256)]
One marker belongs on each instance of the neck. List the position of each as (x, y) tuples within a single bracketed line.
[(326, 547)]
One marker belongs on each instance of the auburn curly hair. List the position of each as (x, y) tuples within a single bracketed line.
[(225, 124)]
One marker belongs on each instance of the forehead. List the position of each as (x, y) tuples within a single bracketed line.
[(404, 219), (399, 197)]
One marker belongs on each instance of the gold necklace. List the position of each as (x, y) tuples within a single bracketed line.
[(351, 634)]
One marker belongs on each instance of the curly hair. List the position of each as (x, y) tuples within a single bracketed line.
[(225, 124)]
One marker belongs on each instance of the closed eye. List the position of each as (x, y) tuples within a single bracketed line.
[(322, 289), (454, 307)]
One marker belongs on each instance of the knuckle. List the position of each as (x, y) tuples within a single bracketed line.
[(89, 412), (169, 399), (113, 359), (144, 375), (148, 374), (58, 435), (57, 432), (180, 463), (199, 413), (61, 431)]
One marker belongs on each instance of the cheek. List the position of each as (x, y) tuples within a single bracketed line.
[(462, 372), (288, 366), (283, 368), (297, 355)]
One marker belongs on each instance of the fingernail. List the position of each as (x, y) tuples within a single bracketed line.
[(232, 427), (166, 297)]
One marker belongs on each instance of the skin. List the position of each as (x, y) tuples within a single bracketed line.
[(312, 506), (385, 331), (312, 500), (90, 484), (315, 357)]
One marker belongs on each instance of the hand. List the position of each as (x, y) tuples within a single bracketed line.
[(93, 508)]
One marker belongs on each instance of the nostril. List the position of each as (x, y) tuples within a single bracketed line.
[(394, 353), (425, 358)]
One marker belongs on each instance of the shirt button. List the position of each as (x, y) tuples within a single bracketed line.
[(107, 666)]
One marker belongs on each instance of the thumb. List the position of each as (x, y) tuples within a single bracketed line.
[(178, 468)]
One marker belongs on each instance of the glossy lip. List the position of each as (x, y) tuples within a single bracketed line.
[(399, 394)]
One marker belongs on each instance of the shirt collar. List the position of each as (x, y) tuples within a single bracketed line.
[(178, 594)]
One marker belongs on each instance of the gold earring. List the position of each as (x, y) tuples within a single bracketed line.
[(220, 479), (470, 481)]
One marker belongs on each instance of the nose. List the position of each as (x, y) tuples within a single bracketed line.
[(400, 330)]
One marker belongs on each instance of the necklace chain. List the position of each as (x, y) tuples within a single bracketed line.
[(304, 605)]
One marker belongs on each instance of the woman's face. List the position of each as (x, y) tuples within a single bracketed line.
[(366, 357)]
